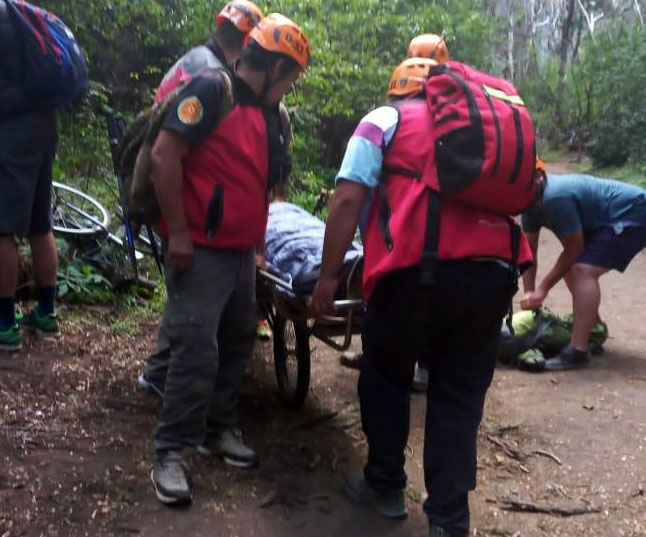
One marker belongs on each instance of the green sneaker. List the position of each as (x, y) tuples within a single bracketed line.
[(439, 531), (11, 339), (45, 326), (263, 332)]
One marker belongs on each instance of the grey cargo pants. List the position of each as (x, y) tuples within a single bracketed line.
[(209, 328)]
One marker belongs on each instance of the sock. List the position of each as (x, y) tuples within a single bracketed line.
[(7, 312), (46, 297)]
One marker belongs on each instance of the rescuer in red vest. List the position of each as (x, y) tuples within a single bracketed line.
[(212, 182), (454, 305)]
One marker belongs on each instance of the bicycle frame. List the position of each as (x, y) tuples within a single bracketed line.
[(116, 127)]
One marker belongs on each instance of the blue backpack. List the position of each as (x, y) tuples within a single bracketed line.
[(54, 73)]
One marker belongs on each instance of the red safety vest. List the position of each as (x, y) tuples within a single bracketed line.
[(226, 174), (225, 183), (395, 233)]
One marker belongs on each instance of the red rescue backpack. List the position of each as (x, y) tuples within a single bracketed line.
[(482, 152), (484, 142)]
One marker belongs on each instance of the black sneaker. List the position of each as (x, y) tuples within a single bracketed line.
[(156, 387), (356, 488), (171, 480), (568, 358)]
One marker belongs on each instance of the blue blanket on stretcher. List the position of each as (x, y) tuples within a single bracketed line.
[(295, 245)]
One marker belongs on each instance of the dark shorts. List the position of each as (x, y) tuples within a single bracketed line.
[(607, 249), (27, 146)]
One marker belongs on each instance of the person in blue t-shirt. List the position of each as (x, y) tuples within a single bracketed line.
[(601, 224)]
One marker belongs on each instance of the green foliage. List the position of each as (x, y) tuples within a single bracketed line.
[(80, 283), (599, 107), (356, 45), (617, 63)]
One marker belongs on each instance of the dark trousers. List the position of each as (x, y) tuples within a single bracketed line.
[(209, 326), (459, 320)]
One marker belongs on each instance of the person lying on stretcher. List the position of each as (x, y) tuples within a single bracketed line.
[(294, 246)]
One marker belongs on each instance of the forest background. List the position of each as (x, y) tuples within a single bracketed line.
[(580, 66)]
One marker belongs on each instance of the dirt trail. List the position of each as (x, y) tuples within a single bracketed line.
[(75, 441)]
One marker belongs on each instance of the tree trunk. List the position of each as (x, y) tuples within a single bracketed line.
[(564, 48), (510, 42), (566, 40)]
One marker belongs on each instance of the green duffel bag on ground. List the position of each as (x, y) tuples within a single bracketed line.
[(598, 334), (545, 332), (541, 329)]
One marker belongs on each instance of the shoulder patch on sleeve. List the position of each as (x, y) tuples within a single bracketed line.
[(190, 111)]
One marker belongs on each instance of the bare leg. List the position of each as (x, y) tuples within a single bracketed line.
[(8, 266), (568, 281), (45, 258), (586, 297)]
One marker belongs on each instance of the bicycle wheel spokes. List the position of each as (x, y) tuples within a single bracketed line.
[(76, 213)]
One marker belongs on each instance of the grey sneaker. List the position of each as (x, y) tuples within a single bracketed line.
[(568, 358), (420, 380), (356, 488), (171, 480), (231, 447), (150, 385)]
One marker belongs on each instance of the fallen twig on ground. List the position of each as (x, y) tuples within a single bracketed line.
[(508, 450), (549, 455), (507, 429), (349, 424), (6, 390), (509, 504)]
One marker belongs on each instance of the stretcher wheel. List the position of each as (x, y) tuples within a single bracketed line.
[(292, 361)]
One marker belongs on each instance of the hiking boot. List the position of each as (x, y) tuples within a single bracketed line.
[(171, 480), (231, 447), (154, 386), (45, 326), (568, 358), (11, 339), (420, 380), (439, 531), (356, 488), (263, 332)]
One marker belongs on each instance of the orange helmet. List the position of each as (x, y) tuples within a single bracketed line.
[(277, 33), (428, 46), (540, 165), (244, 15), (410, 77)]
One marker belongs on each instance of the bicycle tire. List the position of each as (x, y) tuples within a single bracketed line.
[(292, 361), (69, 220)]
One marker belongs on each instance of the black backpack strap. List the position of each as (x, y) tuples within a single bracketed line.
[(405, 172), (431, 238), (514, 233), (279, 165), (384, 217), (382, 192)]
